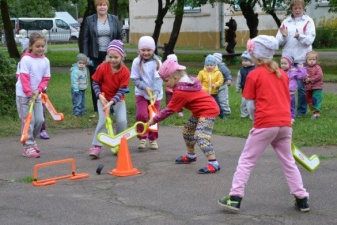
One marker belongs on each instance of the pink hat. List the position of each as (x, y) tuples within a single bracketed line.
[(289, 59), (146, 42), (169, 67), (118, 46)]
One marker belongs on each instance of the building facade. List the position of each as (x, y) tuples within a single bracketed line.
[(205, 26)]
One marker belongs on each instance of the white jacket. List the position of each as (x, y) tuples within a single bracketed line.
[(297, 47)]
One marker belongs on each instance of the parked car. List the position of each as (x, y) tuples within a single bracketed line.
[(57, 29)]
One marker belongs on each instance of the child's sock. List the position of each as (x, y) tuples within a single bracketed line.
[(213, 162), (191, 156)]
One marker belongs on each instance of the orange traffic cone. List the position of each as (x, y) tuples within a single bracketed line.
[(124, 164)]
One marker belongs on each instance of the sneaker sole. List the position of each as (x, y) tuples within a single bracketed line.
[(30, 156), (305, 210), (94, 156), (229, 208)]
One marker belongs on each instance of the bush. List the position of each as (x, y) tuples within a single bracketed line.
[(325, 38), (7, 85), (326, 34)]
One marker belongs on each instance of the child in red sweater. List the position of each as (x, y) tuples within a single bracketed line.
[(188, 93)]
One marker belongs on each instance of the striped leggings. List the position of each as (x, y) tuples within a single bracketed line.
[(199, 130)]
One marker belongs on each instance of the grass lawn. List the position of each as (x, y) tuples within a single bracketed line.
[(306, 132)]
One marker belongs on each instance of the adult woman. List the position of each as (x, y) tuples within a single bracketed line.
[(296, 34), (99, 30)]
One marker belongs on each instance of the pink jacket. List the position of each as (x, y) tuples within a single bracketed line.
[(315, 75)]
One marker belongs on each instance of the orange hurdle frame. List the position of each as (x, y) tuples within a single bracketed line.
[(52, 180)]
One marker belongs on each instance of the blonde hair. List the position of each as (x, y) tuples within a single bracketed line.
[(296, 2), (312, 53), (101, 2), (155, 58), (35, 36), (271, 66), (178, 73)]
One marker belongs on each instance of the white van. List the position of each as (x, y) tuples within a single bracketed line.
[(58, 29)]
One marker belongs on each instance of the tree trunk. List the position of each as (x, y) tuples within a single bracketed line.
[(159, 20), (252, 19), (276, 19), (178, 19), (89, 11), (11, 45)]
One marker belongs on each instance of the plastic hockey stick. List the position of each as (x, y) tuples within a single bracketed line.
[(58, 117), (310, 164), (108, 126), (28, 119), (152, 112), (114, 141)]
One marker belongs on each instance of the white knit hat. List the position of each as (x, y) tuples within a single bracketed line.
[(218, 57), (173, 57), (146, 42), (262, 47)]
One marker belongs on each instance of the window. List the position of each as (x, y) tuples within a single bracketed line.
[(322, 3), (278, 6)]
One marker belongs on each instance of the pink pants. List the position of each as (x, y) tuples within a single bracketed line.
[(257, 142), (142, 114)]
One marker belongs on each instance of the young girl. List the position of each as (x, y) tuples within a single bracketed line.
[(314, 84), (294, 74), (188, 93), (33, 78), (169, 91), (211, 79), (144, 74), (111, 78), (267, 90)]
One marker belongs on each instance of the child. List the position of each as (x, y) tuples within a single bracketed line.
[(294, 74), (223, 90), (33, 78), (144, 74), (211, 79), (188, 93), (314, 84), (79, 83), (111, 78), (247, 66), (267, 91), (169, 91), (25, 49)]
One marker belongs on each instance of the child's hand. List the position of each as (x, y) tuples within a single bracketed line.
[(150, 123), (102, 99), (213, 85), (300, 65), (108, 105), (148, 90), (154, 98)]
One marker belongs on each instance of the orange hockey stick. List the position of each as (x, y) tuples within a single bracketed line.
[(153, 112), (58, 117), (25, 129)]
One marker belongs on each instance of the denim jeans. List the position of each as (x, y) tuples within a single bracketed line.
[(78, 102), (302, 105)]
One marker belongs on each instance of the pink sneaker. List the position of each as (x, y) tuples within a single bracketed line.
[(95, 152), (37, 149), (30, 152)]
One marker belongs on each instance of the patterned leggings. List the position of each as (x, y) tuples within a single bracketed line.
[(199, 130)]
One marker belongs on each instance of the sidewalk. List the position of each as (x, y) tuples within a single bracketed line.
[(164, 193)]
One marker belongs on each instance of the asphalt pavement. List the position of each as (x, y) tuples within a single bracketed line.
[(163, 193)]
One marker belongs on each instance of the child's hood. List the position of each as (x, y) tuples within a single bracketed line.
[(188, 83), (73, 67)]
